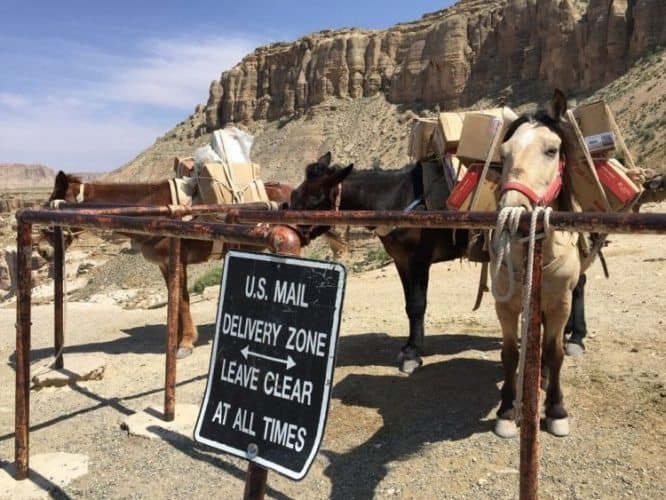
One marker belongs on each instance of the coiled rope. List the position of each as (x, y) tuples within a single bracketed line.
[(506, 228)]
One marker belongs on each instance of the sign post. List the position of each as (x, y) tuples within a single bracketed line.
[(271, 367)]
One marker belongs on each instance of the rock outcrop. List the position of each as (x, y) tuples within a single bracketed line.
[(20, 176), (449, 58)]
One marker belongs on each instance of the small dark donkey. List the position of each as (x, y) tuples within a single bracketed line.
[(413, 249)]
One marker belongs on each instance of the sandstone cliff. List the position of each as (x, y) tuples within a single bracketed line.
[(20, 176), (450, 58)]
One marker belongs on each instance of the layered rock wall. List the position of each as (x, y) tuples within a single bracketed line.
[(450, 58)]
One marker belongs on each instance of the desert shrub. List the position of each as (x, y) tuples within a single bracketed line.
[(210, 278)]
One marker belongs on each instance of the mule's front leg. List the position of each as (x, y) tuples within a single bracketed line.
[(507, 313), (187, 331), (557, 418), (414, 277)]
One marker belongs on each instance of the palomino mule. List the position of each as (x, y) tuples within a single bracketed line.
[(533, 163)]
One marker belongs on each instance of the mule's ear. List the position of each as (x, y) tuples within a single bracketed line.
[(61, 184), (325, 159), (339, 175), (558, 105)]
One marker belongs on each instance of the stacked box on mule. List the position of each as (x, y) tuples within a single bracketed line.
[(599, 182)]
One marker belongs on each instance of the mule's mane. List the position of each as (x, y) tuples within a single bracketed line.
[(71, 178), (542, 117)]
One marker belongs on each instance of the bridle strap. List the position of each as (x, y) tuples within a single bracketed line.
[(337, 197), (550, 194)]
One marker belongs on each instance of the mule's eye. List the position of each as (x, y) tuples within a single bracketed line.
[(552, 152)]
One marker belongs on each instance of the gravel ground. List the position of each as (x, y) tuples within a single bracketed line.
[(388, 435)]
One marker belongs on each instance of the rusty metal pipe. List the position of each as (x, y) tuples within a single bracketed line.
[(155, 210), (234, 233), (529, 427), (58, 296), (648, 223), (173, 316), (23, 324)]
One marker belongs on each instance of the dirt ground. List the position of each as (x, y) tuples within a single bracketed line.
[(388, 435)]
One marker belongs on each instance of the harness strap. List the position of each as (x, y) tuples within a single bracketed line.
[(80, 197), (382, 231), (338, 197)]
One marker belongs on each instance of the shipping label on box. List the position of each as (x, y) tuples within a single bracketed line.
[(595, 124), (461, 196)]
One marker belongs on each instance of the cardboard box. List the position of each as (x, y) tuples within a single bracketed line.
[(420, 139), (183, 167), (450, 124), (447, 135), (585, 188), (232, 183), (594, 120), (461, 196), (620, 189), (478, 132)]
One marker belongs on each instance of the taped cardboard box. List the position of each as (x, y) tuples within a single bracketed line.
[(231, 183), (461, 197), (183, 167), (449, 128), (447, 134), (596, 124), (481, 135)]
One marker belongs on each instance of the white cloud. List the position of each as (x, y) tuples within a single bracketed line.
[(61, 137), (98, 110), (12, 101), (174, 74)]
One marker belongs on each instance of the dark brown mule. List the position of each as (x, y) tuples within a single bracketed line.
[(413, 250), (153, 248)]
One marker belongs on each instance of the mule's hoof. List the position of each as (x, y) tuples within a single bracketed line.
[(558, 426), (572, 349), (183, 352), (505, 428), (409, 366)]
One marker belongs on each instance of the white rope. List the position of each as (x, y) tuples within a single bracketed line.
[(505, 230), (502, 238), (527, 306)]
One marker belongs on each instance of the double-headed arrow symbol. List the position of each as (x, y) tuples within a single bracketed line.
[(289, 361)]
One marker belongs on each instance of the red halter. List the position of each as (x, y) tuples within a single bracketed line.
[(550, 194)]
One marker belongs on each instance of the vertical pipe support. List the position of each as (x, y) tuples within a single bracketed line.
[(255, 482), (23, 323), (173, 319), (58, 295), (529, 427)]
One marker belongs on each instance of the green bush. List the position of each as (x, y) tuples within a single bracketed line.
[(211, 278)]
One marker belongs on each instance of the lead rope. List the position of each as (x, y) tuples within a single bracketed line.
[(502, 246)]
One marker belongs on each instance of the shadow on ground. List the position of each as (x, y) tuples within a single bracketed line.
[(445, 401)]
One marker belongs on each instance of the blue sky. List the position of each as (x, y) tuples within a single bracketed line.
[(87, 85)]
